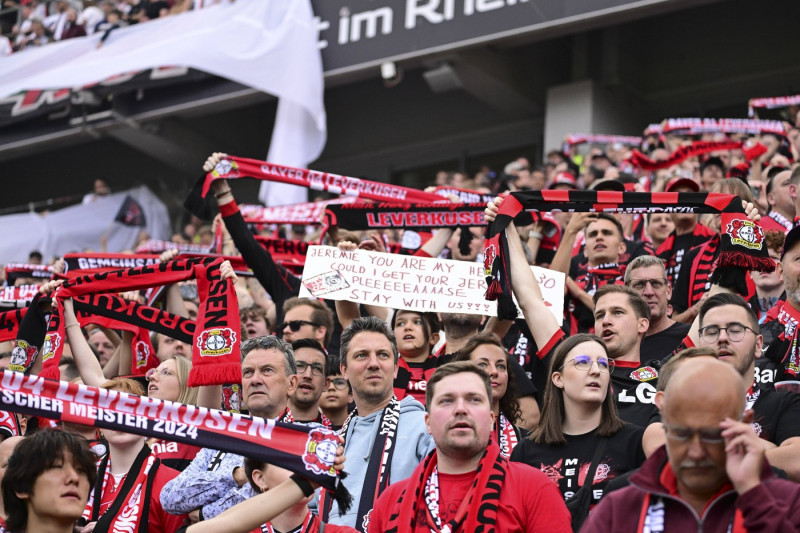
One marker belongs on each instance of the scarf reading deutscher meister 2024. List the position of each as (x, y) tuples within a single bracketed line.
[(307, 451), (741, 246)]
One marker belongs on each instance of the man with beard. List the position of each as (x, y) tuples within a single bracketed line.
[(465, 483), (647, 276), (728, 324), (311, 360)]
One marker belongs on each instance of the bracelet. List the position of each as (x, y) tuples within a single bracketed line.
[(221, 194), (535, 235), (304, 485), (76, 325)]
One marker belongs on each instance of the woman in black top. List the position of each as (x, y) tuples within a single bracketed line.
[(579, 423)]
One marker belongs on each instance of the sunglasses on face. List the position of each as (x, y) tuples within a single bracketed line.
[(295, 325)]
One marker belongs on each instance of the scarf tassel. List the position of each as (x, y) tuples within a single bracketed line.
[(51, 372), (746, 261), (214, 374), (343, 498)]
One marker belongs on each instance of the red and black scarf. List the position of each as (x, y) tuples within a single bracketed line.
[(234, 167), (130, 501), (506, 435), (215, 344), (379, 468), (741, 245), (15, 271), (695, 126), (419, 217), (307, 451), (478, 510), (638, 159)]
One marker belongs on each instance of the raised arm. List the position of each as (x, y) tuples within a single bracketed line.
[(88, 366), (540, 319)]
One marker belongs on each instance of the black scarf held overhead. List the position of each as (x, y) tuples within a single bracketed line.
[(215, 346), (741, 243), (304, 450), (239, 167)]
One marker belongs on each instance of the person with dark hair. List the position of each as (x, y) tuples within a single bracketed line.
[(337, 396), (385, 438), (781, 192), (488, 353), (306, 318), (215, 480), (6, 449), (605, 244), (311, 361), (580, 435), (466, 483), (769, 285), (416, 335), (728, 324), (47, 482)]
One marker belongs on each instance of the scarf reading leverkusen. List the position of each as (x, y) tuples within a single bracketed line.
[(239, 167), (302, 449), (215, 346), (741, 248)]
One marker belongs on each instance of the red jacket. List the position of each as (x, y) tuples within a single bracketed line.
[(771, 507)]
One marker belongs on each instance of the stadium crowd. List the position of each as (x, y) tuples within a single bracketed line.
[(29, 23), (666, 399)]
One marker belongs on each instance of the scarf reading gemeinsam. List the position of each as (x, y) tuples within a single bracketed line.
[(742, 247), (216, 340), (307, 451)]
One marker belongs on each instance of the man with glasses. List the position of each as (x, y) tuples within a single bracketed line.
[(306, 318), (310, 359), (647, 276), (215, 480), (728, 324), (711, 475)]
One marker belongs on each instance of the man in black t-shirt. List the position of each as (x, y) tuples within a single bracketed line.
[(647, 276), (728, 324)]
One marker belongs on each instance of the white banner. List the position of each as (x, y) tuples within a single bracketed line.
[(413, 283), (80, 227)]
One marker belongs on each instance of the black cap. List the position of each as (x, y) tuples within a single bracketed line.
[(792, 238), (712, 162)]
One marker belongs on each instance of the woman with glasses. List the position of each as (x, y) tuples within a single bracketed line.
[(580, 436), (486, 350)]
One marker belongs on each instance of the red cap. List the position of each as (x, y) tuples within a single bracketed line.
[(564, 178), (674, 183)]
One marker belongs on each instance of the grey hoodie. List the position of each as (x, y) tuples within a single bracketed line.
[(412, 444)]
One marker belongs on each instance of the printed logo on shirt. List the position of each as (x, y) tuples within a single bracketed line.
[(654, 519), (757, 428), (51, 343), (645, 373), (746, 233), (216, 342)]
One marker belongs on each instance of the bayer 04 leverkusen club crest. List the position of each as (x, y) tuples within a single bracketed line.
[(215, 342)]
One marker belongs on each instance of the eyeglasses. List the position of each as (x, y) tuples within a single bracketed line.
[(735, 332), (163, 373), (584, 363), (295, 325), (316, 368), (338, 383), (641, 284), (707, 435)]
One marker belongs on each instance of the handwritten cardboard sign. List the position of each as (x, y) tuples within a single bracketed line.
[(414, 283)]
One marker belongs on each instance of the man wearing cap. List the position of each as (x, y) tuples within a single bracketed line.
[(712, 170), (688, 234), (781, 196), (563, 181)]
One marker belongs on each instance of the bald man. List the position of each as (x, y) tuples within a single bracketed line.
[(711, 475)]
